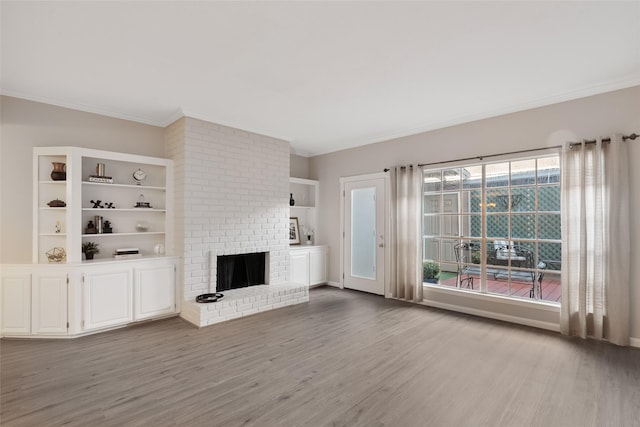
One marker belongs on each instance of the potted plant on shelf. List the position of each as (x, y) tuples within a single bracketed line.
[(430, 272), (89, 249)]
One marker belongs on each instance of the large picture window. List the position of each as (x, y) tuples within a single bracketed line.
[(494, 227)]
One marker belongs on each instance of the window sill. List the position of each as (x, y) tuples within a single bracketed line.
[(538, 305)]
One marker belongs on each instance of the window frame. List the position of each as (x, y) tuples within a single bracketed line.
[(532, 242)]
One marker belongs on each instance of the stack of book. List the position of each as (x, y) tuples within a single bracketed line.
[(103, 179), (126, 253)]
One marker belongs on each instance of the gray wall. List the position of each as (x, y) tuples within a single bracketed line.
[(599, 115), (27, 124), (298, 166)]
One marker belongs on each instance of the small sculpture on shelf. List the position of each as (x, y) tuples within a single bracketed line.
[(58, 227), (57, 203), (106, 227), (291, 201), (99, 224), (100, 175), (59, 172), (56, 255), (89, 249), (307, 231), (141, 203), (109, 205), (97, 204), (91, 228)]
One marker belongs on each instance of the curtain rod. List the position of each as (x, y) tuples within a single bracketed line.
[(632, 137), (484, 157)]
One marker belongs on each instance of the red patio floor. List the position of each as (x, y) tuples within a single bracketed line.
[(550, 287)]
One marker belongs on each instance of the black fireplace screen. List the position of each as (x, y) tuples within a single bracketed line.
[(240, 271)]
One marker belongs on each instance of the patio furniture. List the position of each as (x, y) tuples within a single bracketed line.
[(464, 256), (504, 254)]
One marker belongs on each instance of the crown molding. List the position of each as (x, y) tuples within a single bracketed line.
[(80, 107), (257, 131), (631, 81), (515, 108)]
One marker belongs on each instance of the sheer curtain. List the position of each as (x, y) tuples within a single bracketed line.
[(406, 247), (595, 249)]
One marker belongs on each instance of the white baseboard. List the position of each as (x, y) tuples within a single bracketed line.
[(334, 284), (634, 342), (497, 316)]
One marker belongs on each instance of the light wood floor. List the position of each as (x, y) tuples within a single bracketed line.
[(344, 359)]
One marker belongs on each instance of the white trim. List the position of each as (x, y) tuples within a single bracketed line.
[(83, 108), (365, 177), (334, 284), (341, 235), (257, 130), (293, 180), (491, 315), (172, 118), (606, 87), (538, 305), (634, 342)]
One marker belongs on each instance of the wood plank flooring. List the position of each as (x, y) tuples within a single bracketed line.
[(344, 359)]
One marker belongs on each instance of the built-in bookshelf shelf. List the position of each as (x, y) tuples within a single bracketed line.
[(123, 210), (54, 234), (137, 233), (305, 193), (139, 187)]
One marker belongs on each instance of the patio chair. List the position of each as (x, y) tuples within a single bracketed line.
[(464, 257)]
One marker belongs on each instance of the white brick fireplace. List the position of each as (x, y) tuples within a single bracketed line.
[(231, 193)]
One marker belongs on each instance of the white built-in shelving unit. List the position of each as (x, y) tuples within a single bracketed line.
[(306, 194), (78, 193), (308, 262), (79, 296)]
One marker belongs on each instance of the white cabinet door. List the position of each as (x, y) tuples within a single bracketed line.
[(106, 295), (300, 266), (155, 291), (49, 304), (16, 304), (317, 266)]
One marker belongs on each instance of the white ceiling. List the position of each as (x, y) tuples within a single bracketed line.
[(322, 75)]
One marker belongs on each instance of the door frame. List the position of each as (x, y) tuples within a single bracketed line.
[(387, 223)]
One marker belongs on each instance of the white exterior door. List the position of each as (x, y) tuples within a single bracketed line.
[(364, 235)]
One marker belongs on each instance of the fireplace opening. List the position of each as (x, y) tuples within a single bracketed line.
[(240, 271)]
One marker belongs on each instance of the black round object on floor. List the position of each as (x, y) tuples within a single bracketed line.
[(207, 298)]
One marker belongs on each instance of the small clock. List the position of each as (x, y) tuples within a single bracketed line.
[(139, 175)]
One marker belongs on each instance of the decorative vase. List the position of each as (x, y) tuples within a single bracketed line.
[(59, 172), (291, 201)]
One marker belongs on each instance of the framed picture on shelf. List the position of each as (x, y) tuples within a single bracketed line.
[(294, 231)]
